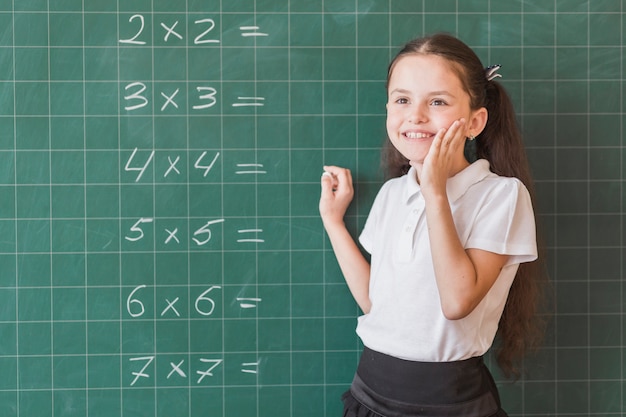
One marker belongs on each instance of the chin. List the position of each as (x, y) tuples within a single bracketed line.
[(415, 161), (415, 158)]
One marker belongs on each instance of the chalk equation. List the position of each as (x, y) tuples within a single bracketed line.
[(200, 236), (203, 31), (136, 97), (203, 162), (204, 303), (144, 368)]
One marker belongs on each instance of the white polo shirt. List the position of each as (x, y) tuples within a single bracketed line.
[(491, 213)]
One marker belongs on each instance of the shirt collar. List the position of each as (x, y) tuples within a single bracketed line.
[(456, 185)]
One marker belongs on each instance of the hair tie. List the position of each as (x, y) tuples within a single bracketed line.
[(491, 72)]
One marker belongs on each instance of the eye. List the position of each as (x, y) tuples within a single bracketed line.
[(401, 100), (438, 102)]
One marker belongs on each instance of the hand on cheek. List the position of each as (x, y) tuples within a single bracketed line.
[(443, 157)]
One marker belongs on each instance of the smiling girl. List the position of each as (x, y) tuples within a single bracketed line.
[(452, 242)]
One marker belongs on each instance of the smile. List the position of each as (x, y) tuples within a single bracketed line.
[(417, 135)]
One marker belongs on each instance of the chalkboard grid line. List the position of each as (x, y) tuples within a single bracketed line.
[(587, 191), (188, 277), (256, 209), (223, 278), (279, 285), (15, 208), (52, 370), (94, 252), (290, 211), (154, 203), (187, 204), (315, 13), (285, 46), (325, 258), (181, 320), (554, 185), (621, 192), (339, 148), (622, 221), (119, 207), (427, 14), (304, 12), (85, 209), (314, 115), (191, 387)]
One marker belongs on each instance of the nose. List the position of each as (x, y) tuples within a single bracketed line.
[(417, 114)]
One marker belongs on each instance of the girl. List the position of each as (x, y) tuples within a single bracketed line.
[(451, 242)]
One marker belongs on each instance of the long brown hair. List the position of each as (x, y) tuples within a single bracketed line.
[(521, 327)]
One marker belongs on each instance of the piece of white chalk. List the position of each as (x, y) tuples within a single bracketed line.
[(327, 173)]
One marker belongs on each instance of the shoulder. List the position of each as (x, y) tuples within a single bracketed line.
[(499, 187), (499, 218), (501, 199), (511, 190), (496, 197)]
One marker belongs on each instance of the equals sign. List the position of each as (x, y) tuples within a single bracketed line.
[(250, 240), (247, 31), (249, 102), (250, 169), (248, 302), (253, 365)]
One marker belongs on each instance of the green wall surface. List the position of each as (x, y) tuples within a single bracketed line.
[(161, 252)]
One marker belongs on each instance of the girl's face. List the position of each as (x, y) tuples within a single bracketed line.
[(424, 95)]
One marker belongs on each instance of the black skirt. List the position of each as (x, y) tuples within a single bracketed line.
[(385, 386)]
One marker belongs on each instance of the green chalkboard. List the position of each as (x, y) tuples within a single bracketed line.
[(160, 247)]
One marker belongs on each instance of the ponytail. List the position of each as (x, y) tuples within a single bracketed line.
[(521, 326), (501, 142)]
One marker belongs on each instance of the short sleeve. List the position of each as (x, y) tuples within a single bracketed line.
[(366, 238), (505, 223)]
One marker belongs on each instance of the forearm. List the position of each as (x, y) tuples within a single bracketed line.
[(354, 266), (454, 271)]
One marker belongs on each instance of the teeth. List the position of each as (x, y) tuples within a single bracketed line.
[(416, 135)]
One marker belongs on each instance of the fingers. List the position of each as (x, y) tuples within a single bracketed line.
[(337, 184), (454, 133), (437, 142), (448, 140), (328, 185), (337, 193), (339, 178)]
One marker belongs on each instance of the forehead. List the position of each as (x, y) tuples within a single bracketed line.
[(424, 70)]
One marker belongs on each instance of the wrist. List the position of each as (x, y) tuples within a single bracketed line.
[(436, 198), (331, 224)]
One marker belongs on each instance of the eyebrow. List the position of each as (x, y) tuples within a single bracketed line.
[(431, 93), (399, 90)]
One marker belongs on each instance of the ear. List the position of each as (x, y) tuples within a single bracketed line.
[(477, 122)]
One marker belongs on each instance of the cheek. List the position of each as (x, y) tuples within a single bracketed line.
[(392, 129), (389, 123), (394, 121)]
